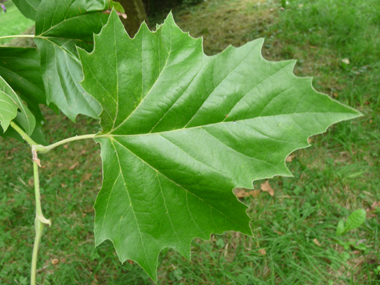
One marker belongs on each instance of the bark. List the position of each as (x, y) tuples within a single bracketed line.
[(135, 15)]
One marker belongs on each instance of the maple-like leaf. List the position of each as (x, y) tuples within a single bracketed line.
[(182, 129)]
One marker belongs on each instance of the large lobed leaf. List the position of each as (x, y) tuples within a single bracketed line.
[(182, 129)]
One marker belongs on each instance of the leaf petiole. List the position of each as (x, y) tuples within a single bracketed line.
[(45, 149), (17, 36), (23, 134), (39, 221)]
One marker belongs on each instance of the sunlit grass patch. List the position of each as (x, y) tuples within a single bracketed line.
[(12, 22)]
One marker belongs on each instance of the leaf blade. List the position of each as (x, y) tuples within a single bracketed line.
[(8, 110), (20, 67), (28, 7), (178, 125), (355, 220), (12, 103)]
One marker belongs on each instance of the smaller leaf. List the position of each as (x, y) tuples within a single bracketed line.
[(61, 25), (220, 243), (28, 7), (8, 110), (117, 6), (340, 228), (10, 103), (355, 220)]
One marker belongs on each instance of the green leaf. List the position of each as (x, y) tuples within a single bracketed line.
[(8, 110), (60, 26), (355, 220), (28, 7), (340, 228), (20, 67), (182, 129), (117, 6), (10, 103)]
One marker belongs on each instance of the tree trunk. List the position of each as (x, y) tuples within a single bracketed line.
[(135, 15)]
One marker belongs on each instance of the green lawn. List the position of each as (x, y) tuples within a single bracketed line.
[(12, 22), (294, 240)]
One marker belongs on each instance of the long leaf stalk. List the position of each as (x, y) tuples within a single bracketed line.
[(17, 36), (45, 149), (39, 221), (23, 134)]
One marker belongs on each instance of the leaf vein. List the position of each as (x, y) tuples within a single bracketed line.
[(211, 206), (130, 200)]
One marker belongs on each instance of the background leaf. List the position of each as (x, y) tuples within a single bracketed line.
[(28, 7), (117, 6), (20, 67), (61, 25), (340, 228), (181, 130), (355, 220), (8, 110), (10, 102)]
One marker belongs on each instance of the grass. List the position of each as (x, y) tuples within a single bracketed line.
[(12, 22), (294, 239)]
